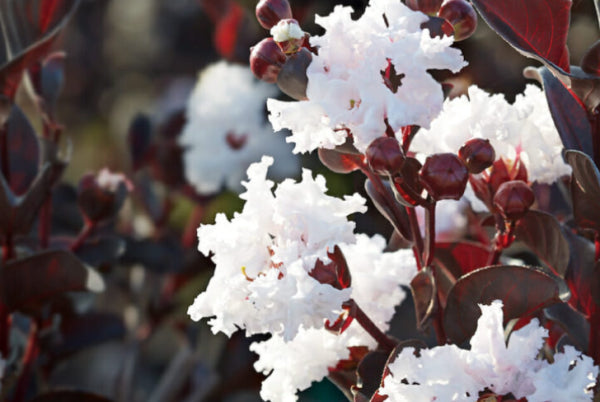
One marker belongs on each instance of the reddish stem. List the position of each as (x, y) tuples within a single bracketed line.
[(502, 240), (429, 251), (363, 319), (88, 227), (418, 239)]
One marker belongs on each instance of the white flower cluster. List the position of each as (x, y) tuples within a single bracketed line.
[(447, 373), (346, 89), (376, 280), (226, 130), (264, 254), (523, 129)]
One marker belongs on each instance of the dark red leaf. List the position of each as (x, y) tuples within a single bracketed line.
[(385, 202), (572, 322), (423, 288), (24, 151), (101, 250), (69, 396), (292, 79), (37, 24), (29, 282), (569, 116), (460, 258), (583, 274), (585, 190), (340, 162), (370, 372), (523, 290), (542, 233), (536, 28), (590, 63)]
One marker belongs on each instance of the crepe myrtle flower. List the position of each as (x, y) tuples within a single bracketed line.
[(350, 80), (264, 255), (226, 130), (491, 365), (522, 131), (376, 286)]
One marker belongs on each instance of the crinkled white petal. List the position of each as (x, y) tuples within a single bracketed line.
[(228, 101), (376, 281), (285, 30), (447, 373), (346, 89), (524, 128), (264, 255)]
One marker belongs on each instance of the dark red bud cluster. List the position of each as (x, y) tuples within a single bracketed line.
[(444, 176), (513, 199), (385, 156), (477, 154), (270, 12), (266, 60), (462, 16), (430, 7)]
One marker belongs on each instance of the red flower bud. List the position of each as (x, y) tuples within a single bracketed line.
[(101, 196), (266, 60), (385, 156), (270, 12), (426, 6), (477, 154), (461, 15), (513, 199), (444, 176)]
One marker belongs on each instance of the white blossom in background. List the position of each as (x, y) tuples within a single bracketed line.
[(448, 373), (345, 84), (226, 130), (524, 128), (376, 280), (450, 220), (264, 254)]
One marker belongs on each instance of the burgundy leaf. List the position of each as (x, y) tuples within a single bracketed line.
[(423, 288), (340, 162), (542, 233), (292, 79), (585, 190), (370, 372), (460, 258), (536, 28), (590, 63), (24, 151), (35, 24), (385, 202), (572, 322), (523, 290), (569, 116), (29, 282), (341, 267), (101, 250), (583, 274)]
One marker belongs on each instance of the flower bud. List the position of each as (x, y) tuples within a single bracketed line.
[(444, 176), (270, 12), (513, 199), (461, 15), (101, 196), (288, 35), (477, 154), (266, 60), (503, 171), (385, 156), (430, 7)]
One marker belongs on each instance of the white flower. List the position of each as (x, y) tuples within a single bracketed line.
[(286, 30), (376, 280), (447, 373), (346, 88), (523, 129), (226, 130), (264, 254)]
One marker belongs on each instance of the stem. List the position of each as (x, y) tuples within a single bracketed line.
[(429, 251), (87, 229), (31, 353), (416, 232), (502, 240), (359, 315)]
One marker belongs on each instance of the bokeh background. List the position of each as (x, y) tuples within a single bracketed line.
[(126, 57)]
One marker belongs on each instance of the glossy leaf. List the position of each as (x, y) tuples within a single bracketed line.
[(585, 190), (385, 202), (423, 288), (35, 24), (523, 290), (536, 28), (542, 233), (569, 116), (29, 282), (24, 151), (583, 274), (572, 322), (340, 162), (370, 372), (460, 258)]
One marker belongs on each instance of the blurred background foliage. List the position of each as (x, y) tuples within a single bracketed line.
[(126, 57)]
